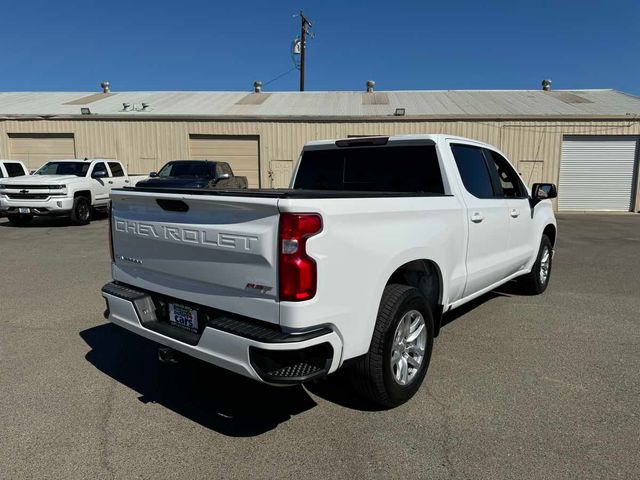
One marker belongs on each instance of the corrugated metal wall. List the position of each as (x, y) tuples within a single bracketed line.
[(145, 145)]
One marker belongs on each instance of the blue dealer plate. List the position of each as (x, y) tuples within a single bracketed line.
[(183, 317)]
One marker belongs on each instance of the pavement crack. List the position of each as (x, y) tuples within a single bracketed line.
[(446, 437), (105, 453)]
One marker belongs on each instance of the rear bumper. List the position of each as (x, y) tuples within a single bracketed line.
[(250, 348)]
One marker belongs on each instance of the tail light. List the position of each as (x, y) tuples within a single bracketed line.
[(298, 277), (111, 233)]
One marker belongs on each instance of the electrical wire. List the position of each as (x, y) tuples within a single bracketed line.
[(279, 77)]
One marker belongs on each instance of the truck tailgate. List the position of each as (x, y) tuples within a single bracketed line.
[(220, 252)]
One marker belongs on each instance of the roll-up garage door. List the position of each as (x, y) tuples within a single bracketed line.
[(597, 174), (241, 152), (34, 149)]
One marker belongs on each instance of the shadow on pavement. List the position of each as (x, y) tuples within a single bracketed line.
[(49, 222), (222, 401)]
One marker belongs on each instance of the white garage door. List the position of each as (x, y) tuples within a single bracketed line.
[(597, 174), (34, 149), (240, 152)]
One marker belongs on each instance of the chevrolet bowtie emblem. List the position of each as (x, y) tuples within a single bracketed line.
[(24, 191)]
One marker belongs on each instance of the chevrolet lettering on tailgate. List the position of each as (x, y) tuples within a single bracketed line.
[(187, 235)]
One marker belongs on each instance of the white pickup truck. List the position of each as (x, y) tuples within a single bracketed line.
[(63, 187), (354, 265)]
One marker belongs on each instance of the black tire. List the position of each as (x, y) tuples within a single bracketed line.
[(81, 211), (20, 220), (373, 375), (533, 283)]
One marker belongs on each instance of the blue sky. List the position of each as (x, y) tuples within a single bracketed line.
[(72, 45)]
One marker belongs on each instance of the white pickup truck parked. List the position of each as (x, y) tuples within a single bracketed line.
[(354, 265), (63, 187)]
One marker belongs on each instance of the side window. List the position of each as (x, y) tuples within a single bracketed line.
[(1, 174), (116, 169), (506, 175), (14, 169), (473, 170), (100, 167)]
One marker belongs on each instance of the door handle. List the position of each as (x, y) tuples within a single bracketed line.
[(110, 182), (126, 181), (477, 217), (515, 213)]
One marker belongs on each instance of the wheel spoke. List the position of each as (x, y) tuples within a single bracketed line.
[(403, 370), (415, 363), (416, 333), (415, 349)]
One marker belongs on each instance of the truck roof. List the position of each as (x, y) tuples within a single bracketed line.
[(434, 137)]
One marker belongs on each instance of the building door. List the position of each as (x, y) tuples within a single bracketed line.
[(34, 149), (281, 173), (241, 152), (597, 173)]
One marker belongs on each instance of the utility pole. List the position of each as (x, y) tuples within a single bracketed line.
[(305, 24)]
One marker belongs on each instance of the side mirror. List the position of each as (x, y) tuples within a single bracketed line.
[(543, 191), (99, 174), (153, 174), (223, 176)]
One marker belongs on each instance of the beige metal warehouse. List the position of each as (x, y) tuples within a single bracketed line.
[(584, 140)]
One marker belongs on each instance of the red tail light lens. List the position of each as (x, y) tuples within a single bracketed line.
[(298, 277)]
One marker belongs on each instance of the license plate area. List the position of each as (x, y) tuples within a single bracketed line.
[(184, 317), (24, 210)]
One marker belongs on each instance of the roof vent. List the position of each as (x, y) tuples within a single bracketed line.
[(370, 85), (145, 106), (257, 86), (105, 87), (126, 106), (546, 84)]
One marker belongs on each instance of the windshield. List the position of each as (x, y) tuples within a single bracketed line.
[(78, 169), (185, 169)]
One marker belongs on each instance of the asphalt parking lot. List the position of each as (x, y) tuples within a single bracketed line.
[(519, 387)]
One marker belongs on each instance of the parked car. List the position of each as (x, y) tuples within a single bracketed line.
[(62, 187), (194, 174), (354, 266), (12, 168)]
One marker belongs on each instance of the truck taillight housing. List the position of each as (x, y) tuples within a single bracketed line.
[(298, 275), (111, 233)]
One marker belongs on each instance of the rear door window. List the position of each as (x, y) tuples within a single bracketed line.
[(473, 170), (116, 169), (402, 169), (14, 169)]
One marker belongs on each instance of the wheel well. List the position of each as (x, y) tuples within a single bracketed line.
[(426, 277), (550, 231), (83, 193)]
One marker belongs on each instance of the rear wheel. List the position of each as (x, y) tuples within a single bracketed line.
[(20, 220), (536, 282), (394, 368), (81, 211)]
